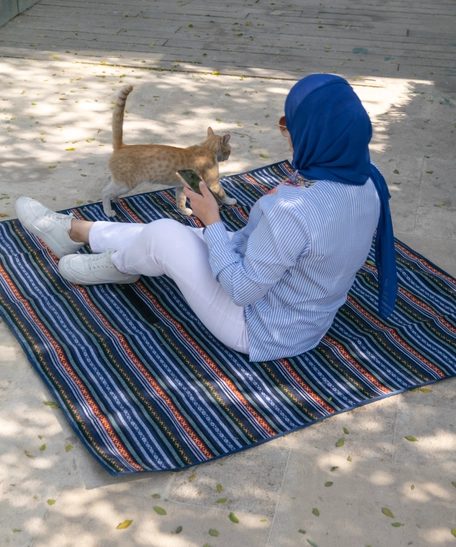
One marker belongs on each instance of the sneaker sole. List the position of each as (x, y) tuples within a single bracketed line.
[(63, 269)]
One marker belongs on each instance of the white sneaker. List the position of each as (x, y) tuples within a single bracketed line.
[(93, 269), (52, 228)]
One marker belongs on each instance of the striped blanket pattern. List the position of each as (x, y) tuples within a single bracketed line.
[(147, 388)]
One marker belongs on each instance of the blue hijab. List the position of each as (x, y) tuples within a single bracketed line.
[(330, 131)]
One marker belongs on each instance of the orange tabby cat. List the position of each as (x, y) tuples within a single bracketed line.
[(132, 164)]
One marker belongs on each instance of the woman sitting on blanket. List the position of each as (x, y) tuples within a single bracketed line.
[(271, 289)]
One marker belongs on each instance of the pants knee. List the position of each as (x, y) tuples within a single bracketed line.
[(163, 235)]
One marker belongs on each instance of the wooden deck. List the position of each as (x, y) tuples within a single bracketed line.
[(377, 38)]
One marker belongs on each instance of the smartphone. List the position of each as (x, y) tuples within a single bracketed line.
[(191, 179)]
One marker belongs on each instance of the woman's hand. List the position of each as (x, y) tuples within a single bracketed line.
[(204, 206)]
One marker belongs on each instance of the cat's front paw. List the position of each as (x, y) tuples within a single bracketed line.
[(186, 211), (109, 212), (229, 201)]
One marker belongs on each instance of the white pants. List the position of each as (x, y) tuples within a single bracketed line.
[(166, 247)]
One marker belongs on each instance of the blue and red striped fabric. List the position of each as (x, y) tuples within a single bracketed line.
[(147, 388)]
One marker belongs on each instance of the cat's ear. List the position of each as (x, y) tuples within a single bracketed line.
[(226, 138), (210, 131)]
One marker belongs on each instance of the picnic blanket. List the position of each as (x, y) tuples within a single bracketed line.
[(147, 388)]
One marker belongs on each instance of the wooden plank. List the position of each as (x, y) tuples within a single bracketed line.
[(25, 4), (370, 36)]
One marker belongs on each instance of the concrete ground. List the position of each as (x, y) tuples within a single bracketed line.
[(230, 66)]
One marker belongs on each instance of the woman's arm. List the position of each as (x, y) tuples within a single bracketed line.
[(279, 239)]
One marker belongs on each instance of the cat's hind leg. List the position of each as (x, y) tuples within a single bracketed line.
[(218, 190), (112, 192)]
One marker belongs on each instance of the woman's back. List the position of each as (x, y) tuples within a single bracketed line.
[(323, 234)]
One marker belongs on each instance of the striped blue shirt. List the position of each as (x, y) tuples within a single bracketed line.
[(293, 263)]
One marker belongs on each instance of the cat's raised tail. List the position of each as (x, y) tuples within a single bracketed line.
[(118, 117)]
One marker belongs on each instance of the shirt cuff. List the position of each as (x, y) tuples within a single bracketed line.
[(215, 233)]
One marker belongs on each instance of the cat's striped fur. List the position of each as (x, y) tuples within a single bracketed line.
[(131, 165)]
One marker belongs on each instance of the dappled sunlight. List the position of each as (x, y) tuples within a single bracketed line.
[(381, 478), (55, 114), (427, 491), (376, 469), (437, 536), (58, 120)]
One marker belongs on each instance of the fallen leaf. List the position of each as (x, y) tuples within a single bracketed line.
[(387, 512), (70, 149), (178, 530), (159, 510), (28, 454), (156, 496), (329, 483), (264, 156), (453, 531), (213, 533), (50, 502), (346, 431), (219, 488), (222, 500), (334, 468), (301, 531), (340, 442), (396, 172), (233, 518), (454, 484), (43, 447), (312, 543), (123, 525), (316, 512), (396, 524), (68, 447), (349, 458), (411, 439), (52, 404)]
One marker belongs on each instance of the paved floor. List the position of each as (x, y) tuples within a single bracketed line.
[(230, 66)]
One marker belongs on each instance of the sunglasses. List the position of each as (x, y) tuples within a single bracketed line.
[(282, 125)]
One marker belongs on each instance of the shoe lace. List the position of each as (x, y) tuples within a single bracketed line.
[(101, 261), (59, 217), (96, 262)]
